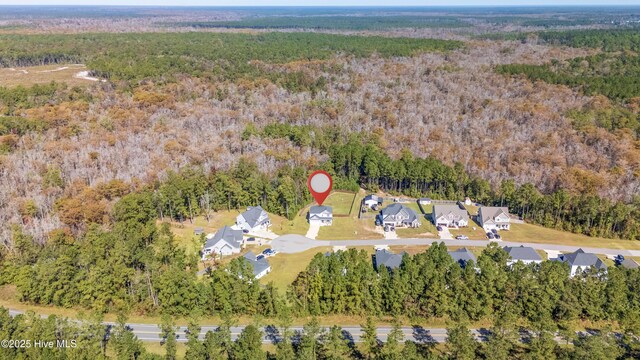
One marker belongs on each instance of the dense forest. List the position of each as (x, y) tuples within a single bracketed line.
[(228, 56), (335, 22)]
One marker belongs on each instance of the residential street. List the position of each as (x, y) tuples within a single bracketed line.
[(151, 332), (292, 243)]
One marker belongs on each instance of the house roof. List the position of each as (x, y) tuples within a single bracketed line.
[(257, 265), (388, 259), (253, 214), (523, 253), (462, 256), (583, 259), (451, 212), (231, 236), (488, 213), (373, 197), (629, 263), (319, 209), (396, 209)]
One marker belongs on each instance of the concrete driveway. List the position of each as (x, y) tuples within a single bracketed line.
[(445, 234), (312, 233)]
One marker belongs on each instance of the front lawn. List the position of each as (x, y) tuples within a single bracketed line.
[(538, 234)]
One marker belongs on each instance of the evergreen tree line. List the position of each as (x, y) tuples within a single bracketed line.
[(91, 339)]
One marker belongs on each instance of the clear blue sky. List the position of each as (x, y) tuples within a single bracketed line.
[(322, 2)]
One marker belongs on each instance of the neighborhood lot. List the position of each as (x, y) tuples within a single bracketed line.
[(346, 224)]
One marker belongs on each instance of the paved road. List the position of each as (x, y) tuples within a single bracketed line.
[(293, 243), (151, 332)]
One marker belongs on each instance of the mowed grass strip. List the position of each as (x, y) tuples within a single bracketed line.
[(540, 235)]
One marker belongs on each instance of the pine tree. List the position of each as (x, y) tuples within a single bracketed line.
[(369, 339), (249, 345), (334, 345), (167, 333)]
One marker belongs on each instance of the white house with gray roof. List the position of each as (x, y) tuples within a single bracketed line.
[(372, 201), (226, 241), (398, 215), (462, 256), (524, 254), (260, 267), (582, 261), (255, 218), (449, 216), (320, 215), (491, 217)]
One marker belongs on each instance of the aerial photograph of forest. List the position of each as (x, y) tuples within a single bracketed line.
[(157, 198)]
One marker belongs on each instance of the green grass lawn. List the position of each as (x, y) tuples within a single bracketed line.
[(340, 202), (349, 228), (538, 234), (469, 231), (286, 267)]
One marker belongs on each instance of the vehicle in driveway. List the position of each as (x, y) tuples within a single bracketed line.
[(498, 237), (245, 231), (260, 257), (439, 228), (251, 239), (490, 235), (462, 237), (494, 231), (269, 252)]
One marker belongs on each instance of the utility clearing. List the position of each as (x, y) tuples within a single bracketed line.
[(72, 74)]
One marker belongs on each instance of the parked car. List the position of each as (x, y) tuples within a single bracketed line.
[(269, 252), (260, 257), (245, 231), (490, 235), (386, 228), (251, 239), (462, 237), (618, 259), (494, 231), (498, 237), (439, 228)]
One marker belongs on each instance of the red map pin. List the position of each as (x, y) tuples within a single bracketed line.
[(319, 184)]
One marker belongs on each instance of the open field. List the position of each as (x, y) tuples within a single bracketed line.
[(286, 267), (27, 76), (538, 234)]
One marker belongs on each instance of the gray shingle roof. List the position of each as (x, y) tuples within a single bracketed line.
[(523, 253), (374, 198), (583, 259), (232, 236), (629, 263), (394, 210), (462, 256), (488, 213), (318, 209), (252, 215), (451, 212), (388, 259), (257, 265)]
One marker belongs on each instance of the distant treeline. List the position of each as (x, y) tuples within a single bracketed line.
[(615, 76), (351, 22), (162, 56)]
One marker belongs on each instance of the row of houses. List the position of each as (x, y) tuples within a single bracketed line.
[(446, 215), (454, 216), (578, 260), (229, 240)]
